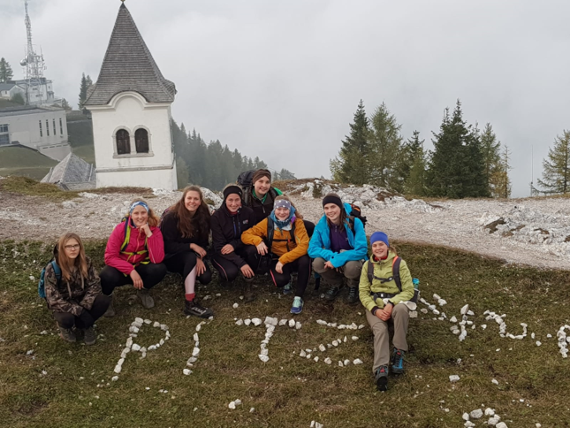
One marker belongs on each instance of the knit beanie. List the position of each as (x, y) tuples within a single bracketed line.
[(332, 198), (379, 236), (259, 174), (231, 189)]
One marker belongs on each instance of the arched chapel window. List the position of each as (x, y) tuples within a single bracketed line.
[(141, 140), (123, 142)]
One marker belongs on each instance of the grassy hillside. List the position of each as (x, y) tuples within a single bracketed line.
[(24, 162), (45, 382)]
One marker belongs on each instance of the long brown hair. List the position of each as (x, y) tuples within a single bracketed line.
[(297, 213), (153, 219), (195, 225), (65, 263)]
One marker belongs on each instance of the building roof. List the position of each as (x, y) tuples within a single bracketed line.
[(6, 86), (128, 66), (22, 110), (71, 169)]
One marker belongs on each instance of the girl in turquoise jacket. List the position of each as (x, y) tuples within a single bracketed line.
[(338, 247)]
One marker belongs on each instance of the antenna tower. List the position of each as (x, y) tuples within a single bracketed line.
[(33, 64)]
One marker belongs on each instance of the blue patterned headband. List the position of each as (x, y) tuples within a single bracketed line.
[(136, 204), (282, 203)]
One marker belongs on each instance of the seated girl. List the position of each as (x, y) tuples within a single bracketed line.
[(134, 255), (75, 297), (338, 247), (382, 297), (228, 223), (287, 243), (186, 231)]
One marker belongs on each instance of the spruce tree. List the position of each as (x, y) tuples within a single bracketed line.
[(500, 178), (490, 148), (349, 167), (556, 168), (6, 72), (82, 91), (413, 166), (384, 148)]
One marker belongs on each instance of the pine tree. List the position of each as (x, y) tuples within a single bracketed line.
[(6, 72), (490, 149), (556, 169), (500, 177), (384, 148), (456, 168), (413, 166), (349, 167), (85, 84)]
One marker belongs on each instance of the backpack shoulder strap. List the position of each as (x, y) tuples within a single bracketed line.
[(292, 232), (270, 232), (396, 272), (56, 270), (370, 271), (127, 235)]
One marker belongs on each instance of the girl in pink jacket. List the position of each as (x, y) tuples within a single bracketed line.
[(134, 254)]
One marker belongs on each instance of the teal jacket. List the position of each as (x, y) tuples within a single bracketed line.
[(320, 245), (383, 269)]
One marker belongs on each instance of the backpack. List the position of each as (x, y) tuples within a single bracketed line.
[(356, 213), (41, 283), (245, 181), (395, 277)]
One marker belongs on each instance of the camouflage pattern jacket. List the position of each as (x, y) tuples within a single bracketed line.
[(75, 295)]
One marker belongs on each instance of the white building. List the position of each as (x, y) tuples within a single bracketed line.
[(130, 106), (43, 129), (8, 90)]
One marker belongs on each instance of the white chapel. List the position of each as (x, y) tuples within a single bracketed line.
[(130, 107)]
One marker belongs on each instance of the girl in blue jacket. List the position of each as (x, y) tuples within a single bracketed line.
[(338, 247)]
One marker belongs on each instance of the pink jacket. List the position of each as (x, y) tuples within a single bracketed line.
[(125, 262)]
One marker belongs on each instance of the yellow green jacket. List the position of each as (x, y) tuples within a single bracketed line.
[(383, 269)]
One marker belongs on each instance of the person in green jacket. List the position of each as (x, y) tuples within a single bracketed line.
[(383, 301)]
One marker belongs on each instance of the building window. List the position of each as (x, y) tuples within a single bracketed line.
[(60, 126), (4, 135), (54, 129), (47, 127), (141, 140), (41, 131), (123, 142)]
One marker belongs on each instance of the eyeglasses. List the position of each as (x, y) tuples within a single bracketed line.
[(72, 247)]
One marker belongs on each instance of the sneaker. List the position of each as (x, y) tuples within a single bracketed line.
[(67, 334), (111, 309), (331, 293), (287, 288), (193, 308), (398, 361), (146, 299), (89, 336), (381, 376), (297, 305), (353, 295)]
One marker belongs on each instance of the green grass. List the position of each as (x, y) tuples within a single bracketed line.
[(24, 162), (30, 187), (288, 391)]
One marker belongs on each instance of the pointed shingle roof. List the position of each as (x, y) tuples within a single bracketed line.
[(128, 66), (70, 170)]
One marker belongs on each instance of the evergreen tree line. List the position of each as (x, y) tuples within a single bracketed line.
[(212, 165), (465, 162), (6, 72)]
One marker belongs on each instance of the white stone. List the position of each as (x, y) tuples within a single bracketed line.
[(442, 302), (298, 325), (235, 305), (548, 335), (232, 405), (470, 313), (163, 327), (271, 321), (423, 310), (340, 364), (147, 321), (346, 362), (195, 351), (156, 324), (361, 326), (328, 360), (302, 353), (117, 369), (489, 412), (465, 416), (136, 347), (321, 322), (237, 402), (196, 338), (281, 322), (476, 414), (469, 424), (239, 322), (199, 327), (354, 338), (161, 342), (322, 348), (186, 371), (129, 342), (501, 425), (464, 309), (495, 381), (114, 378), (263, 358), (152, 347), (316, 359), (494, 420), (335, 343), (345, 339), (247, 321), (538, 343), (264, 351), (256, 321), (454, 378), (252, 410), (436, 296), (483, 326), (357, 361)]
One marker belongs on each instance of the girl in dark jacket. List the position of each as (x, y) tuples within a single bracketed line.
[(228, 223), (186, 230), (75, 298)]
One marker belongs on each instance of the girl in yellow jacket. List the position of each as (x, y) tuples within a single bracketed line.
[(383, 300), (282, 237)]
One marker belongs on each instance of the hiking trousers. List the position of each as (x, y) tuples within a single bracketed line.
[(400, 319), (227, 269), (183, 263), (302, 266), (87, 318), (333, 277), (151, 274)]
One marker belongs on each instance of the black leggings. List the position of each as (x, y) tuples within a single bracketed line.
[(151, 274), (87, 318), (302, 265), (183, 263), (227, 269)]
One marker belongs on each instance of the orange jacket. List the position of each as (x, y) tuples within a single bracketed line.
[(256, 235)]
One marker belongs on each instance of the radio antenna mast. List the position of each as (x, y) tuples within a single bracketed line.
[(33, 64)]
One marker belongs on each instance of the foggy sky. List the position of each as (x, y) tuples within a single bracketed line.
[(282, 80)]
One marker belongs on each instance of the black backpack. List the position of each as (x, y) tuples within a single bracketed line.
[(244, 181), (356, 213)]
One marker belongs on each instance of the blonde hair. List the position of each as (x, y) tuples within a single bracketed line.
[(153, 219)]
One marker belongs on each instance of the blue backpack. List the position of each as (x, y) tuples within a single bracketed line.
[(41, 284)]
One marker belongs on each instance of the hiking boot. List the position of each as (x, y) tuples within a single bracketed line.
[(146, 299), (297, 305), (67, 334), (317, 282), (398, 361), (331, 293), (111, 309), (353, 295), (381, 376), (287, 288), (193, 308), (89, 336), (248, 294)]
